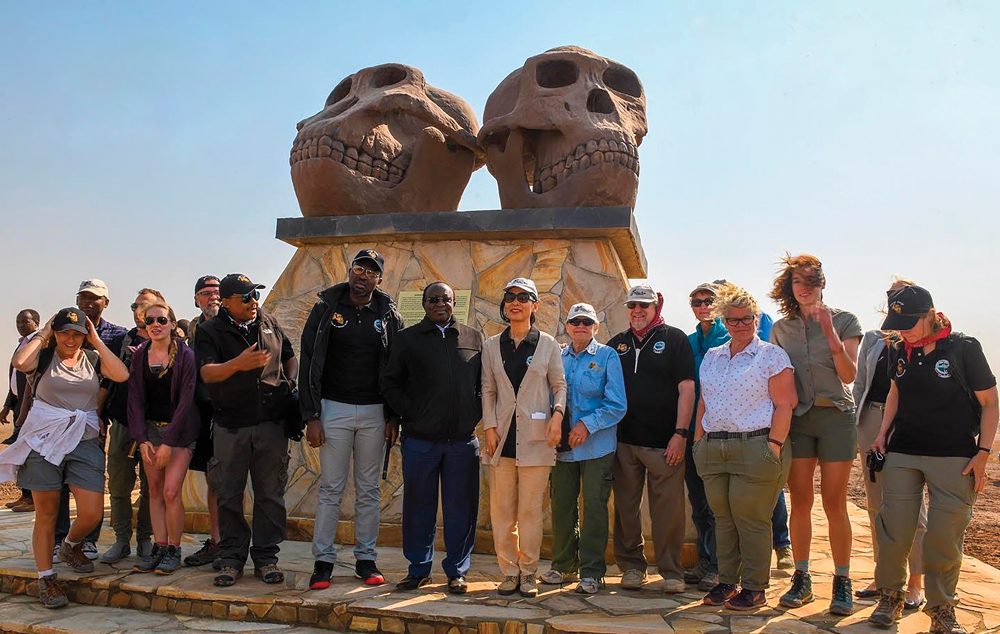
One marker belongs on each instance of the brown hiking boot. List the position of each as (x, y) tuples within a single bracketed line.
[(74, 557), (890, 608), (51, 592), (943, 620)]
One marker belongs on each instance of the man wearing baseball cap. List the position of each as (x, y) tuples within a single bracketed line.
[(247, 362), (345, 345), (652, 439)]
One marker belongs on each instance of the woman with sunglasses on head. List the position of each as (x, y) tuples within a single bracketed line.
[(743, 416), (822, 343), (524, 398), (938, 430), (59, 441), (164, 424), (871, 388)]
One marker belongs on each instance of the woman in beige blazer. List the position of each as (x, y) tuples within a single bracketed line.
[(524, 397)]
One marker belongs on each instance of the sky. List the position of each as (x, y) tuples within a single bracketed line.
[(147, 143)]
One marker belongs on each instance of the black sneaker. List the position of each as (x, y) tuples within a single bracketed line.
[(170, 562), (411, 582), (720, 594), (800, 593), (149, 564), (367, 571), (320, 579), (842, 602), (747, 600), (205, 555), (456, 585)]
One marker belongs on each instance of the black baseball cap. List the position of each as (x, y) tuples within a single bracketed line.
[(236, 284), (371, 255), (906, 306), (70, 319), (205, 280)]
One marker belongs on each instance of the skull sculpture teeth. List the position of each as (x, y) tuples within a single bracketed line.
[(385, 141), (564, 131)]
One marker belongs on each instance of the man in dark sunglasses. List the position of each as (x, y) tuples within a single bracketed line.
[(247, 362), (433, 379), (345, 345)]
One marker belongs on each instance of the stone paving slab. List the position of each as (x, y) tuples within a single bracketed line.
[(114, 599)]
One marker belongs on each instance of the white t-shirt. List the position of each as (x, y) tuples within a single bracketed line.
[(735, 388)]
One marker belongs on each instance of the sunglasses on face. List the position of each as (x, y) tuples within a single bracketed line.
[(209, 292), (366, 273), (736, 321), (698, 303), (253, 295), (163, 321), (521, 298), (580, 321), (439, 299), (634, 305)]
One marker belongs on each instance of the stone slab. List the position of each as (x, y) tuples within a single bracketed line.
[(616, 223), (638, 624), (437, 607)]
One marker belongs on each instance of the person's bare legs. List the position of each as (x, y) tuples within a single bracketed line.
[(44, 531), (800, 487), (172, 500), (157, 508), (834, 478), (89, 511)]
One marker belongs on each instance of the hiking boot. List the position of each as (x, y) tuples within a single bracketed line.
[(320, 579), (673, 586), (24, 505), (19, 501), (51, 592), (842, 602), (170, 561), (227, 576), (144, 548), (529, 586), (270, 573), (747, 600), (90, 549), (784, 556), (696, 574), (204, 555), (367, 571), (633, 579), (800, 593), (73, 557), (943, 620), (889, 609), (149, 563), (509, 585), (589, 585), (554, 577), (709, 581), (456, 585), (720, 594), (118, 551)]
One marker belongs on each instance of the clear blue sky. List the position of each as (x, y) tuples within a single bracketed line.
[(147, 143)]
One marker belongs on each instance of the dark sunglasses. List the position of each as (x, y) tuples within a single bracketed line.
[(734, 321), (134, 306), (163, 321), (522, 298), (253, 295), (580, 321), (698, 303), (633, 305), (439, 299)]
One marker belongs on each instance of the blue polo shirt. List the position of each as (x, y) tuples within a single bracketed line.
[(595, 394)]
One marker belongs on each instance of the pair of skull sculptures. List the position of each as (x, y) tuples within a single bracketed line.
[(561, 131)]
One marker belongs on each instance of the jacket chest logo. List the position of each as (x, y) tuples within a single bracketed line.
[(622, 348), (378, 326), (943, 368), (659, 347), (900, 368), (528, 360), (337, 320)]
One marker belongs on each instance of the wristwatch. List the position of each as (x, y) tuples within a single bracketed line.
[(989, 452), (682, 432)]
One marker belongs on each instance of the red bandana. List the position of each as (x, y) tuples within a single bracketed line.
[(657, 321), (941, 334)]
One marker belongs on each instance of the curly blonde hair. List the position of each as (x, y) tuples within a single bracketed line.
[(173, 332), (729, 295)]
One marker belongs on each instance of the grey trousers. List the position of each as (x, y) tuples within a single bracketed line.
[(121, 482), (357, 430), (260, 451)]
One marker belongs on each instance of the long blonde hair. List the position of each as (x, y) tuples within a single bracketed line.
[(173, 332)]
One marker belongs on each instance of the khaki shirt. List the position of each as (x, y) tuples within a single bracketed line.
[(816, 377)]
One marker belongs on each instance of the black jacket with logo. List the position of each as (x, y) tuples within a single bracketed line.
[(433, 381), (316, 335)]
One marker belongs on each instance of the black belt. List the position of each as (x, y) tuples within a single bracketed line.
[(737, 435)]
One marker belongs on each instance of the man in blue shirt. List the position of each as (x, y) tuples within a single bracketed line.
[(710, 333), (595, 404)]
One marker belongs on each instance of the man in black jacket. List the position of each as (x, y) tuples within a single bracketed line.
[(246, 361), (433, 381), (345, 345)]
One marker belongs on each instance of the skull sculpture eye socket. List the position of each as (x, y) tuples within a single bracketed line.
[(341, 91), (622, 80), (556, 73), (387, 76)]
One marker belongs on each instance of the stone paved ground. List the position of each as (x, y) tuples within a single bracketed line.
[(118, 600)]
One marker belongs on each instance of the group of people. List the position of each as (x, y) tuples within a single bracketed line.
[(736, 410)]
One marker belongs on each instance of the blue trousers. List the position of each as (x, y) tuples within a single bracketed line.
[(454, 466)]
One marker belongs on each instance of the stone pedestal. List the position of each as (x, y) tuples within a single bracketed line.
[(573, 255)]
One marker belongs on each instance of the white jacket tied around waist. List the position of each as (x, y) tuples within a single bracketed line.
[(51, 431)]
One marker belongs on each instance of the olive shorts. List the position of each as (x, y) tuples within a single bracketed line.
[(826, 433), (83, 467)]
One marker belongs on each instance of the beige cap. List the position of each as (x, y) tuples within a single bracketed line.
[(707, 287), (95, 286), (582, 310), (642, 293)]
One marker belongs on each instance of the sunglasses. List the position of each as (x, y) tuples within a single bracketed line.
[(698, 303), (735, 321), (209, 292), (366, 273), (163, 321), (253, 295), (634, 305), (521, 298), (439, 299), (580, 321)]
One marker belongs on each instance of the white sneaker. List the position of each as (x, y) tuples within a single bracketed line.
[(554, 577), (673, 586), (589, 585), (90, 549), (633, 579)]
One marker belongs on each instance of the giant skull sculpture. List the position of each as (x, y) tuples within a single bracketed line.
[(563, 131), (385, 141)]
